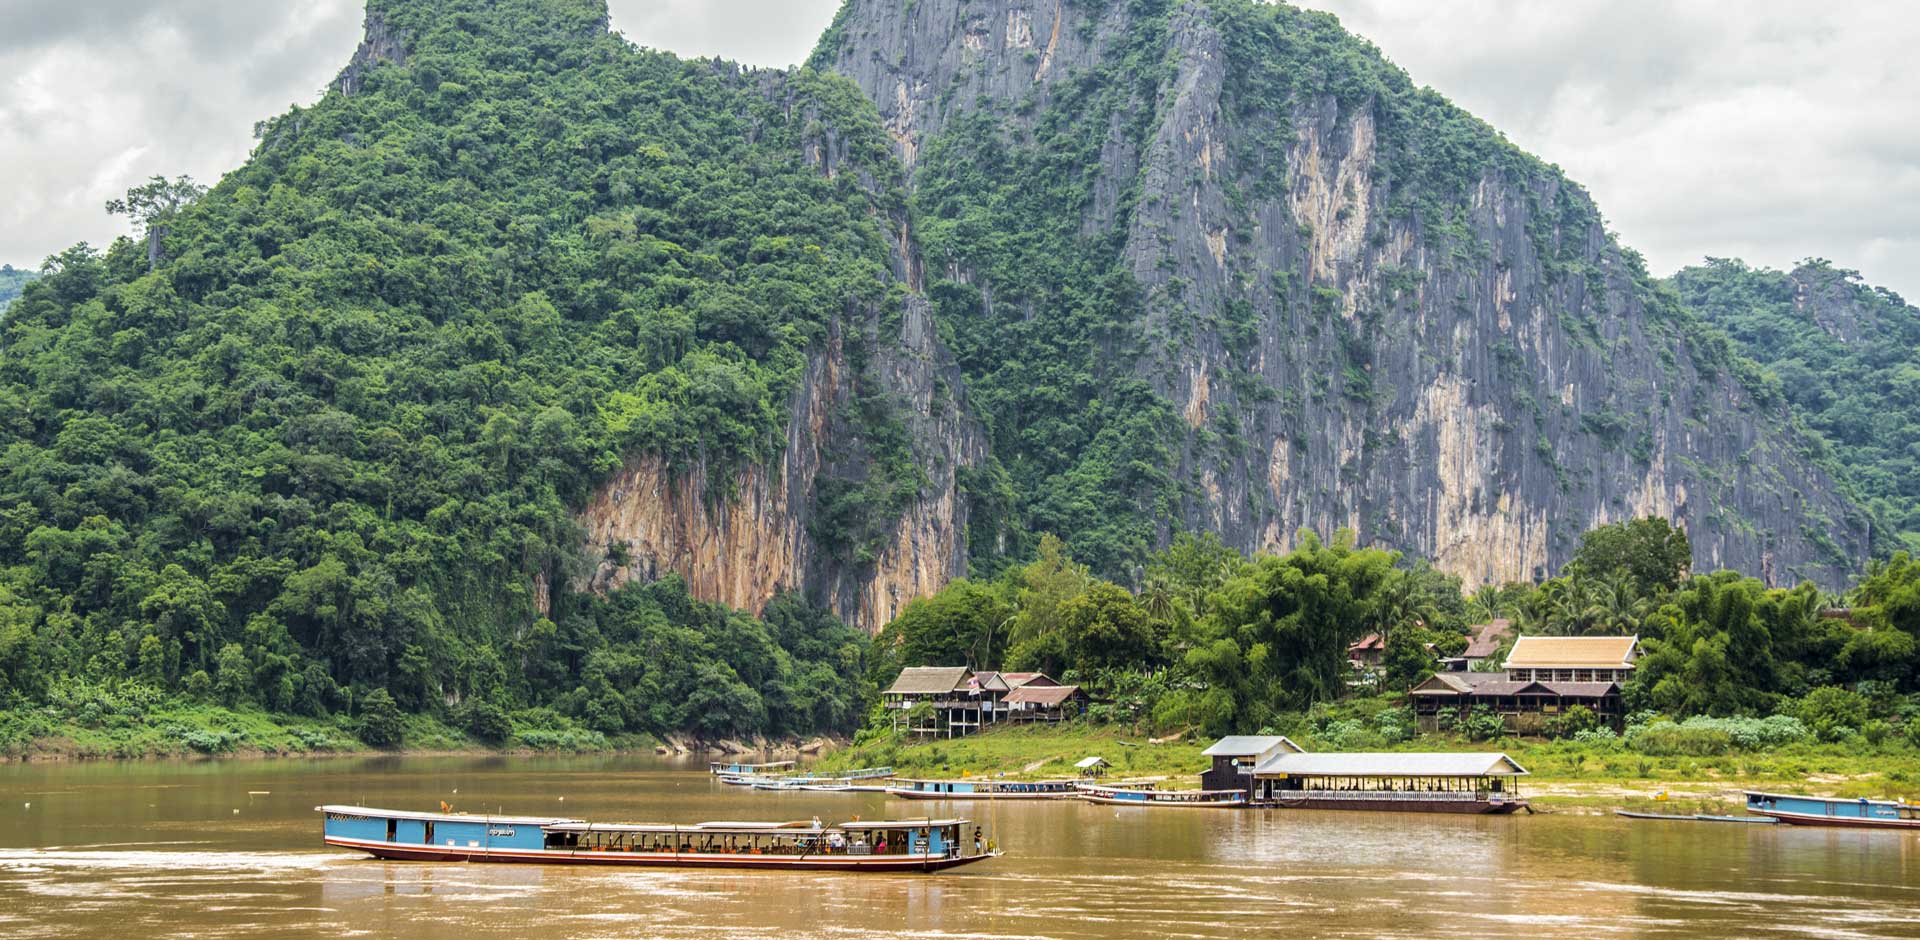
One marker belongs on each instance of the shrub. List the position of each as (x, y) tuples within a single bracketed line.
[(1666, 739), (380, 721), (1482, 724), (1833, 713), (1603, 738), (486, 721), (1572, 722)]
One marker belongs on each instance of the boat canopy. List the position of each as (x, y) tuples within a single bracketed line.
[(1476, 764), (543, 821)]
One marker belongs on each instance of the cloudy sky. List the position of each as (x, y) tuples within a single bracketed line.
[(1764, 129)]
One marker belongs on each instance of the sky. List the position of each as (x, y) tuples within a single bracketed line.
[(1762, 129)]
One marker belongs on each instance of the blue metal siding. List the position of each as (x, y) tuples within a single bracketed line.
[(410, 832), (357, 827)]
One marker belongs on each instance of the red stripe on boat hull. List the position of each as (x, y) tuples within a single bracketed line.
[(1843, 822)]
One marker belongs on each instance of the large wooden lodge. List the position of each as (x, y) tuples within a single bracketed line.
[(962, 701), (1544, 677)]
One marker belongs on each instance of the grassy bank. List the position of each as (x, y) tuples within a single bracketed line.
[(95, 723), (1567, 775)]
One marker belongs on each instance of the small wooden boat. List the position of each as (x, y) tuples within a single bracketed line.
[(1188, 799), (1693, 817), (917, 845), (1828, 811), (738, 769), (984, 789)]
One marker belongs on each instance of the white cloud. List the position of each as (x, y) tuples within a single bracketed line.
[(1763, 129), (1760, 129)]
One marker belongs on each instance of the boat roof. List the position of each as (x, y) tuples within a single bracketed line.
[(1824, 799), (1473, 764), (446, 817), (1249, 745), (1062, 781), (752, 828)]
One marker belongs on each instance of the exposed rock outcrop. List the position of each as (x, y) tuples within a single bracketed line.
[(1477, 375)]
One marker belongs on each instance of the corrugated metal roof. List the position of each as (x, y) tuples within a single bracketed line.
[(1390, 765), (1086, 763), (1572, 652), (929, 680), (1018, 679), (1250, 745), (1040, 694)]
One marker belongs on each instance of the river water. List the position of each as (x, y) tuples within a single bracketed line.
[(231, 850)]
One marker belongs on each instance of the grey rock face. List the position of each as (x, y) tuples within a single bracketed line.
[(1477, 376)]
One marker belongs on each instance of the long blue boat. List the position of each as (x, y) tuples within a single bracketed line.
[(914, 845), (1828, 811)]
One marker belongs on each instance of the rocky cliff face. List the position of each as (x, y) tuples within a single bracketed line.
[(746, 537), (1370, 311), (742, 537)]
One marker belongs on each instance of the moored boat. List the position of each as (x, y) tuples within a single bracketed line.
[(1139, 796), (1829, 811), (1393, 782), (923, 845), (1692, 817), (984, 789), (737, 769)]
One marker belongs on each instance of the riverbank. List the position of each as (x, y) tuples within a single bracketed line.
[(106, 726), (1566, 776)]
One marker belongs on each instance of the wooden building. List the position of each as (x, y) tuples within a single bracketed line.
[(1037, 702), (1235, 756), (961, 701), (1525, 705)]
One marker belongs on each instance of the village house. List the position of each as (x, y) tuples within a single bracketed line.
[(1483, 644)]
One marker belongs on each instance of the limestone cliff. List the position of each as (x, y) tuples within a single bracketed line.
[(1368, 308)]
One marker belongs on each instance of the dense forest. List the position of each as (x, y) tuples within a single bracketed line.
[(1846, 355), (1222, 643), (12, 281), (314, 443), (315, 437)]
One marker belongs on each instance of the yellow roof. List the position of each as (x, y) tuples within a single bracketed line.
[(1572, 652)]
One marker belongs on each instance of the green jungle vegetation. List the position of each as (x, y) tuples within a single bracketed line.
[(1849, 362), (1732, 673), (306, 447), (280, 475), (12, 281)]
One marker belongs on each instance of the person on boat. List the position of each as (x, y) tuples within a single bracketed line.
[(979, 842), (816, 822), (836, 840), (880, 846)]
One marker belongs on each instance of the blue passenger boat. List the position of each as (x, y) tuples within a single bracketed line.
[(984, 789), (916, 845), (1177, 799), (722, 768), (1827, 811)]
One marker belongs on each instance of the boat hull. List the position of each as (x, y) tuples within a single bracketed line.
[(1167, 804), (957, 797), (1457, 807), (1841, 822), (857, 863)]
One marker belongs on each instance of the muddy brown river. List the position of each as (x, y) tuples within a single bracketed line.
[(231, 850)]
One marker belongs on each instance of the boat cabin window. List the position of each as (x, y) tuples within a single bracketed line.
[(393, 826)]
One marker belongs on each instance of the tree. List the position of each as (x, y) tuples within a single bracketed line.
[(381, 724), (153, 208), (1654, 554), (1105, 629), (1833, 713)]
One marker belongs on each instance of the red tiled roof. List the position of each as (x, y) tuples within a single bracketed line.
[(1371, 641)]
